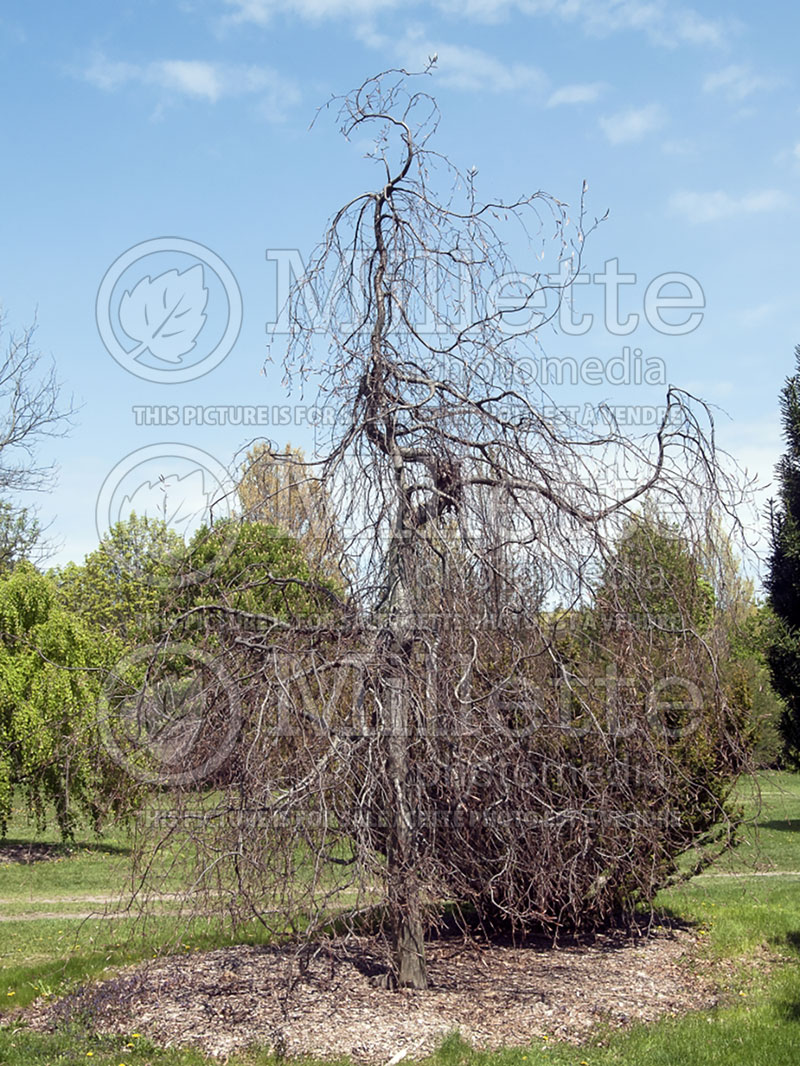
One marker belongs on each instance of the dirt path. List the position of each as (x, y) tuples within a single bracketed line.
[(115, 901), (752, 873), (166, 897), (63, 916)]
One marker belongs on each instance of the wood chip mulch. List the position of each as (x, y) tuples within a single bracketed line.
[(334, 1003)]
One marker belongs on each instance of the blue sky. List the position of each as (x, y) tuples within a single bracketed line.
[(128, 124)]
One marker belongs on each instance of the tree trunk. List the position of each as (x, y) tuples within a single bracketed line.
[(403, 889), (412, 971)]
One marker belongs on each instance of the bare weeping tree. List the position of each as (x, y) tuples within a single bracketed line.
[(31, 410), (460, 722)]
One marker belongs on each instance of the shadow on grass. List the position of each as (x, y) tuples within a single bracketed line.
[(16, 849), (790, 1010), (790, 825), (788, 1003), (793, 940)]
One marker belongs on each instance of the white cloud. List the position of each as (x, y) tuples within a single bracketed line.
[(700, 207), (692, 28), (107, 75), (461, 66), (193, 78), (633, 124), (679, 147), (758, 315), (262, 11), (469, 68), (662, 21), (198, 80), (576, 94), (737, 82)]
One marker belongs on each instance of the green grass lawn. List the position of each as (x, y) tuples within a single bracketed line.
[(747, 905)]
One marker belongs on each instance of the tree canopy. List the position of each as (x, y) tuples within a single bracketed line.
[(126, 585)]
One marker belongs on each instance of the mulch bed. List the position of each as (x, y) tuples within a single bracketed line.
[(336, 1003)]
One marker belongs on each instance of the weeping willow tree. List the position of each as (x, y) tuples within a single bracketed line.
[(436, 736), (52, 667)]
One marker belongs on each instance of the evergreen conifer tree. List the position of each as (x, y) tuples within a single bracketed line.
[(783, 579)]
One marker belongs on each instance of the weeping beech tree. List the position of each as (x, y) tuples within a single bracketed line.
[(488, 713)]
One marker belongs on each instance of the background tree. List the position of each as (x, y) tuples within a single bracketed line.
[(52, 667), (655, 581), (255, 567), (50, 662), (783, 577), (168, 607), (20, 533), (125, 587), (657, 618), (748, 677), (30, 412), (281, 489), (143, 581), (416, 745)]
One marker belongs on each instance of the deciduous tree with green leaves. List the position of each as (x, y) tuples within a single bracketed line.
[(254, 568), (125, 586), (52, 666)]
